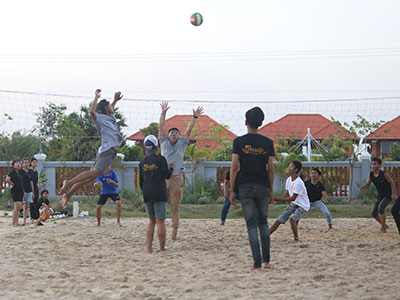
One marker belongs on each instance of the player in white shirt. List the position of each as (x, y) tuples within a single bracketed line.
[(296, 193)]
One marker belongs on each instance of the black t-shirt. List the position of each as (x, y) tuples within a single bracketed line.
[(45, 201), (35, 180), (153, 170), (314, 191), (382, 185), (16, 178), (26, 180), (254, 151), (228, 178)]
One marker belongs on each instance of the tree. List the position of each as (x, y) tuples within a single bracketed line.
[(395, 152), (18, 146), (48, 119), (361, 128), (132, 153), (151, 129)]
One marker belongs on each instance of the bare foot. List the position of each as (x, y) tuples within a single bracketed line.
[(266, 265), (255, 269), (64, 187), (296, 239), (174, 234), (64, 200), (119, 224), (162, 249), (383, 230), (149, 250)]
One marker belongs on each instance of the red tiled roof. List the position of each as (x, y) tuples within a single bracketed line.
[(295, 125), (203, 125), (388, 131)]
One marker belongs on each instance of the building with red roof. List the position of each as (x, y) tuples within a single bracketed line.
[(204, 132), (383, 138), (296, 125)]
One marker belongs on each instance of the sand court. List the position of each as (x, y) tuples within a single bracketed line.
[(75, 259)]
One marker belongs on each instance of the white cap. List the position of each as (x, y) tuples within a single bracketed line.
[(151, 138)]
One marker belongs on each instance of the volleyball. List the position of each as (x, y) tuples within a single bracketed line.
[(196, 19)]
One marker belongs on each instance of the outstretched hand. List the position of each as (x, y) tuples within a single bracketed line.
[(97, 93), (164, 106), (199, 111), (118, 96)]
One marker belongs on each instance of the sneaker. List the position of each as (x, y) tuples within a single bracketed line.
[(39, 224)]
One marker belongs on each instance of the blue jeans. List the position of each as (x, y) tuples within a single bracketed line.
[(254, 199), (226, 206), (322, 207)]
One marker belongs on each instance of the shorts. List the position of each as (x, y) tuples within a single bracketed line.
[(293, 212), (105, 159), (156, 209), (28, 198), (103, 198), (17, 198)]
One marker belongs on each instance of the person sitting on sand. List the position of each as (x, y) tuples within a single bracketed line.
[(386, 191), (296, 193), (45, 208), (153, 171)]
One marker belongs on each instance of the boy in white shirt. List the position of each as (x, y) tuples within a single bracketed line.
[(296, 192)]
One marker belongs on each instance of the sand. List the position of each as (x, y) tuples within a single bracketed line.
[(75, 259)]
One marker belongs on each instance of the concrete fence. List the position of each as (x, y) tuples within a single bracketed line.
[(336, 175)]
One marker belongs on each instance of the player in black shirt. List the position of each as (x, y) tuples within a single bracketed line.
[(254, 153), (153, 170), (14, 179), (386, 191), (317, 194)]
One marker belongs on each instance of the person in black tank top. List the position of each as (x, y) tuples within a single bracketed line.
[(386, 191)]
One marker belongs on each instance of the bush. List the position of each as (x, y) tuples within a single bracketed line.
[(369, 195), (134, 198)]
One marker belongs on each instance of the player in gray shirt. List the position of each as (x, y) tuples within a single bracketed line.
[(173, 149), (106, 125)]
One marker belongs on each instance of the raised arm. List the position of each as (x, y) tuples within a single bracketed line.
[(161, 124), (117, 96), (392, 185), (196, 113), (97, 95)]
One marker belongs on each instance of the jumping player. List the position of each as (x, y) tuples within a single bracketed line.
[(386, 191), (106, 125), (296, 193), (109, 184)]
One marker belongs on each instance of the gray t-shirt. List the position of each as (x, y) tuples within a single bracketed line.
[(174, 153), (106, 126)]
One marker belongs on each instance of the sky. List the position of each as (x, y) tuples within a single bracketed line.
[(250, 51)]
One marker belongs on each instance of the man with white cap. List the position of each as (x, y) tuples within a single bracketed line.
[(173, 147), (153, 170)]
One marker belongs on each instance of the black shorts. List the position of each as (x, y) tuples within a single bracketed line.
[(17, 198), (103, 198)]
